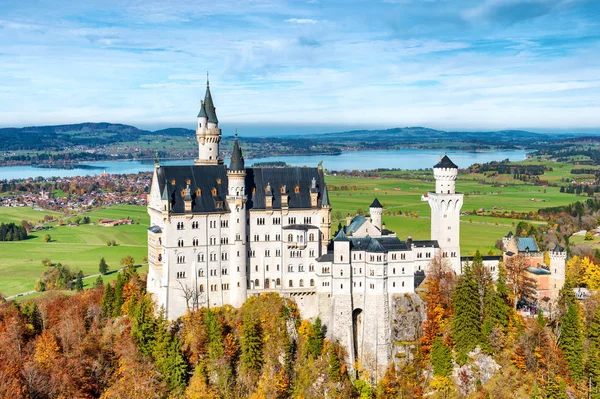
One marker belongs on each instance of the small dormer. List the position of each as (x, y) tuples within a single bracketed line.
[(284, 197), (187, 199), (268, 197), (314, 193)]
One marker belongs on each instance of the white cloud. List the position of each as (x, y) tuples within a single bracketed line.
[(301, 21)]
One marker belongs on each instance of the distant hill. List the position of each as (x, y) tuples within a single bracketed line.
[(94, 135)]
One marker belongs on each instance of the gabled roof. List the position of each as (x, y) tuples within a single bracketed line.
[(376, 204), (527, 244), (446, 163), (304, 227), (375, 246), (425, 244)]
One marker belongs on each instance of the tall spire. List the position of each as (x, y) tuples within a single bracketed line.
[(237, 159), (209, 107)]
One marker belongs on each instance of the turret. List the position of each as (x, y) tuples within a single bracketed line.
[(376, 210), (558, 263), (208, 133), (445, 206), (445, 173), (236, 199)]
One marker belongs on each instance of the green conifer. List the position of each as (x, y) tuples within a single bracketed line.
[(335, 365), (99, 282), (535, 392), (103, 267), (571, 341), (441, 358), (315, 340), (252, 345), (108, 299), (466, 324), (167, 356), (79, 281), (118, 301)]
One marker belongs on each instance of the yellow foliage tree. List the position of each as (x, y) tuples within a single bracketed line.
[(591, 276), (46, 350), (575, 271)]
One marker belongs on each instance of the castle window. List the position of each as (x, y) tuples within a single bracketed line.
[(282, 190), (402, 256), (449, 227), (290, 283), (214, 191), (394, 256), (394, 270), (341, 258), (301, 283), (200, 257), (256, 237), (267, 237), (276, 220), (290, 237), (180, 259), (402, 270), (292, 220), (290, 268), (312, 282), (201, 287), (253, 190), (341, 272), (198, 192), (180, 275), (160, 257), (308, 220), (278, 282), (266, 283), (297, 189), (267, 253), (403, 283), (256, 268), (179, 225), (200, 272), (180, 243), (278, 252), (311, 268), (224, 256), (311, 237), (394, 284), (256, 283), (277, 267), (173, 182)]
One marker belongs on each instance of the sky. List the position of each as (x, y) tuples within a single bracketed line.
[(446, 64)]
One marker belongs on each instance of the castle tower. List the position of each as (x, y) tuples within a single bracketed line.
[(558, 262), (325, 220), (208, 133), (236, 199), (445, 206), (376, 211)]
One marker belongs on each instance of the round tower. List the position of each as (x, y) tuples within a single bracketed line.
[(445, 206), (376, 211), (236, 199), (208, 132)]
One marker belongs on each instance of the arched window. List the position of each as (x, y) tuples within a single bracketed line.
[(301, 283), (290, 283), (290, 237), (311, 237), (278, 282), (312, 282), (266, 283), (257, 283)]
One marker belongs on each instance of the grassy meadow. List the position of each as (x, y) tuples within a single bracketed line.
[(82, 246), (477, 232), (79, 247)]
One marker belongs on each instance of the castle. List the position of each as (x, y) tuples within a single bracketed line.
[(220, 234)]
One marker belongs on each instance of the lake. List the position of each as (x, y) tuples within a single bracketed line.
[(406, 158)]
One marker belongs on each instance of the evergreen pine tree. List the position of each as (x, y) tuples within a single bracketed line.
[(167, 356), (466, 324), (315, 340), (79, 281), (335, 366), (252, 345), (441, 358), (103, 267), (99, 282), (143, 323), (108, 299), (593, 364), (571, 341), (118, 301), (535, 392)]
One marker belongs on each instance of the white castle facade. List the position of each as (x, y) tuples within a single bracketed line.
[(221, 234)]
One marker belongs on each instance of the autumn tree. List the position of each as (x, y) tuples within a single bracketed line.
[(252, 345), (521, 284)]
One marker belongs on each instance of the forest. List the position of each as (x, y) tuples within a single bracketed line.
[(111, 342), (12, 232)]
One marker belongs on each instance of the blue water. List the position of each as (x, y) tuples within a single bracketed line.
[(407, 158)]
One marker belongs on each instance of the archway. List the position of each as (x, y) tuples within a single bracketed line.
[(357, 330)]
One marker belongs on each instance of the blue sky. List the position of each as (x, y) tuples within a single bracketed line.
[(448, 64)]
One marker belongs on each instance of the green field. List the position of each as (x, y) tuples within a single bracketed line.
[(79, 247), (82, 246), (477, 232)]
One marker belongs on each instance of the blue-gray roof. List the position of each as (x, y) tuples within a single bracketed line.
[(355, 224), (527, 244), (446, 163), (538, 270)]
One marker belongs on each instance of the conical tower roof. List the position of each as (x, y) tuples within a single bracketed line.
[(325, 199), (237, 159), (376, 204), (202, 112), (209, 107), (445, 162)]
